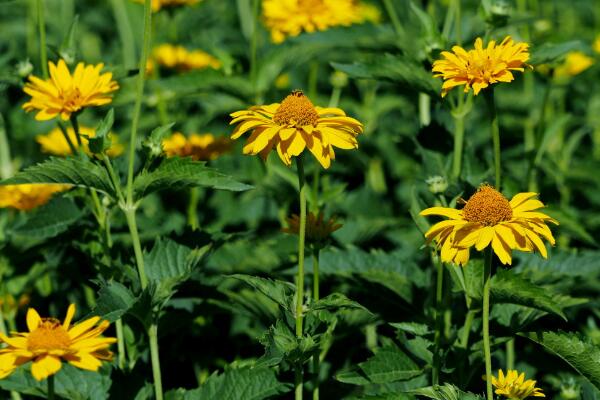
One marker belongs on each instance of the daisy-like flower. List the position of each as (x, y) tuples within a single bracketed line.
[(285, 18), (28, 196), (514, 386), (49, 342), (181, 59), (318, 229), (64, 94), (480, 67), (575, 63), (489, 219), (294, 125), (158, 4), (200, 147), (55, 143)]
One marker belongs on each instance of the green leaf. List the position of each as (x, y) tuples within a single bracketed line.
[(68, 47), (113, 301), (512, 288), (398, 69), (280, 292), (412, 328), (582, 355), (389, 364), (446, 392), (49, 220), (182, 173), (335, 302), (235, 384), (101, 141), (154, 142), (552, 53), (71, 170)]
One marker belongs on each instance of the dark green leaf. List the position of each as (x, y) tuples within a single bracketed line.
[(113, 301), (389, 364), (49, 220), (280, 292), (101, 141)]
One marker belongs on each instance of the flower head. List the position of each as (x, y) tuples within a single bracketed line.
[(49, 342), (514, 386), (55, 143), (181, 59), (158, 4), (489, 219), (480, 67), (575, 63), (199, 147), (318, 229), (284, 18), (28, 196), (294, 125), (64, 94)]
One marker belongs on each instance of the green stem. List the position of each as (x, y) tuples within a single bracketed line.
[(391, 11), (457, 26), (439, 292), (424, 109), (137, 247), (5, 160), (120, 343), (489, 96), (510, 354), (50, 381), (192, 213), (459, 138), (114, 178), (76, 130), (42, 31), (153, 337), (536, 159), (67, 138), (487, 274), (300, 280), (336, 93), (313, 75), (125, 33), (315, 274), (464, 337), (254, 50)]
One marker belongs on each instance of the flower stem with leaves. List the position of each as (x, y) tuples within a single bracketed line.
[(489, 97), (487, 275), (302, 187)]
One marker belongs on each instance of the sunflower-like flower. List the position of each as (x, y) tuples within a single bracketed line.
[(28, 196), (200, 147), (64, 94), (49, 342), (158, 4), (318, 229), (284, 18), (514, 386), (181, 59), (575, 63), (480, 67), (55, 143), (489, 219), (294, 125)]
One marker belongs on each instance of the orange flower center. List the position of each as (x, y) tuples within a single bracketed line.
[(49, 335), (297, 110), (487, 206), (72, 99)]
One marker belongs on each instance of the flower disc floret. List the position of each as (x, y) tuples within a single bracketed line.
[(296, 110), (488, 207), (49, 335)]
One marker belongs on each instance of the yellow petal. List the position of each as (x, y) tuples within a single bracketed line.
[(44, 366), (520, 198), (502, 250), (487, 234), (82, 327), (443, 211), (33, 319), (69, 317)]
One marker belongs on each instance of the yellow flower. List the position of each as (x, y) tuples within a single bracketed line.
[(181, 59), (49, 342), (318, 229), (481, 67), (596, 44), (55, 143), (489, 219), (28, 196), (294, 125), (284, 18), (199, 147), (514, 386), (575, 63), (63, 94), (158, 4)]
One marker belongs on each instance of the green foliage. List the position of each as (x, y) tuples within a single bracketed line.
[(445, 392), (48, 221)]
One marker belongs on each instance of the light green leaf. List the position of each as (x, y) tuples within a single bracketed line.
[(49, 220), (552, 53), (412, 328), (101, 141), (280, 292), (113, 301), (181, 173), (389, 364), (446, 392)]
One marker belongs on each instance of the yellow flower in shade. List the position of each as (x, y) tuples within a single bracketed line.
[(318, 229), (200, 147), (64, 94), (158, 4), (596, 44), (514, 386), (294, 125), (55, 143), (489, 219), (575, 63), (480, 67), (28, 196), (49, 342), (284, 18), (181, 59)]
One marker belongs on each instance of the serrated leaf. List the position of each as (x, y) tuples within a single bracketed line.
[(445, 392), (182, 173), (235, 384), (101, 141), (280, 292), (389, 364), (70, 170), (335, 302), (113, 301), (551, 52), (583, 356), (412, 328), (49, 220), (155, 141)]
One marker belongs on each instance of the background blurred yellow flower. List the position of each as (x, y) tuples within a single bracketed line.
[(28, 196), (575, 63), (158, 4), (63, 94), (200, 147), (55, 143), (318, 229), (181, 59), (284, 18), (514, 386)]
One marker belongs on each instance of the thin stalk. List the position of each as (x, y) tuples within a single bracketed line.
[(42, 32), (459, 138), (316, 360), (439, 292), (192, 211), (254, 50), (120, 343), (113, 177), (424, 109), (457, 30), (67, 138), (50, 381), (137, 247), (391, 11), (125, 33), (153, 337), (336, 93), (302, 187), (510, 354), (464, 337), (487, 274), (5, 160), (536, 158), (76, 130), (495, 135)]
